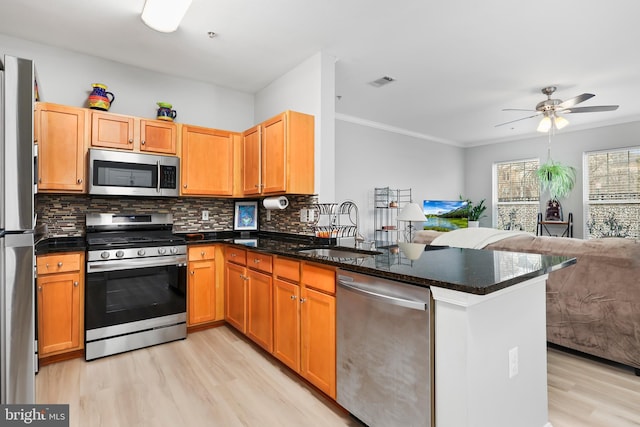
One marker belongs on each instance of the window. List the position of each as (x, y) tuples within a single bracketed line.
[(613, 193), (516, 195)]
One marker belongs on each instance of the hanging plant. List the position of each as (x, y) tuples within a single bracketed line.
[(556, 178)]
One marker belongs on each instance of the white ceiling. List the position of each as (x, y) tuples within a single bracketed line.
[(457, 63)]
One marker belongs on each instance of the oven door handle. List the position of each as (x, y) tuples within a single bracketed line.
[(128, 264)]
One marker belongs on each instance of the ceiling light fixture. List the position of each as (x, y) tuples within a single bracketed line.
[(164, 15), (551, 120)]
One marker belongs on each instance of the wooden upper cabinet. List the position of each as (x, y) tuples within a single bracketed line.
[(62, 135), (158, 136), (278, 155), (207, 162), (251, 161), (112, 131), (131, 133)]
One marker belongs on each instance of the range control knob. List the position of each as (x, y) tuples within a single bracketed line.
[(104, 255), (120, 254), (141, 252), (174, 250), (162, 251)]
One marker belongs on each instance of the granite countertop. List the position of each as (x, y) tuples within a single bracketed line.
[(476, 271), (61, 244)]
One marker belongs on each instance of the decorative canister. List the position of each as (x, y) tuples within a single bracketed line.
[(165, 112), (100, 99)]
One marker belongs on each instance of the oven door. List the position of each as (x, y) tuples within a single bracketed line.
[(115, 297)]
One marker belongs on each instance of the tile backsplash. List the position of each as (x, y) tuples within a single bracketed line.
[(64, 214)]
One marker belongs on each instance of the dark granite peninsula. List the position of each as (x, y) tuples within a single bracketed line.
[(489, 322)]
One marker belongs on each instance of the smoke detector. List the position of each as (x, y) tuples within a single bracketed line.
[(385, 80)]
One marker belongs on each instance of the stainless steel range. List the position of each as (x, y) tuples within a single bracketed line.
[(135, 293)]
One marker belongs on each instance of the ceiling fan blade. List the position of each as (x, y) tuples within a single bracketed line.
[(594, 109), (517, 120), (577, 100), (517, 109)]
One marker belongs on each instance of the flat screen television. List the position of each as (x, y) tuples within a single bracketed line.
[(445, 215)]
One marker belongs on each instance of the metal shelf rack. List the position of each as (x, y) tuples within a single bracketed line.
[(387, 203)]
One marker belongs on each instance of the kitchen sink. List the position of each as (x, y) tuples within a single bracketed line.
[(337, 252)]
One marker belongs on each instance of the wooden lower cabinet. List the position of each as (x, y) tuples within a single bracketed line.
[(260, 309), (305, 321), (204, 290), (235, 296), (60, 299), (286, 323), (318, 332)]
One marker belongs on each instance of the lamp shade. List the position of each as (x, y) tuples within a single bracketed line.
[(560, 122), (412, 251), (545, 124), (164, 15), (412, 212)]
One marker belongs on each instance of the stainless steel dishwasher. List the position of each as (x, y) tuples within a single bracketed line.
[(384, 351)]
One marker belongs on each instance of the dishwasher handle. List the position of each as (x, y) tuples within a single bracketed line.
[(402, 302)]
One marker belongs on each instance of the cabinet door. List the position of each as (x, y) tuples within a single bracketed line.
[(59, 324), (286, 323), (273, 155), (318, 331), (251, 168), (112, 131), (62, 138), (235, 290), (201, 292), (207, 162), (158, 137), (260, 309)]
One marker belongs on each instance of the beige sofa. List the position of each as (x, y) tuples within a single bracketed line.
[(594, 305)]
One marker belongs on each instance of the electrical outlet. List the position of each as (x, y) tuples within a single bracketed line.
[(513, 362), (311, 215), (205, 215), (303, 215)]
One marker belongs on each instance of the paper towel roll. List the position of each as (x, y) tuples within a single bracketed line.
[(275, 202)]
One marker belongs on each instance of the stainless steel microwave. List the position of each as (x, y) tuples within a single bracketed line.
[(118, 173)]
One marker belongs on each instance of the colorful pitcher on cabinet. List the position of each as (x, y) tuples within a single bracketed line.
[(165, 112), (100, 99)]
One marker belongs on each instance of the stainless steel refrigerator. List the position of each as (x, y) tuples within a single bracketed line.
[(17, 322)]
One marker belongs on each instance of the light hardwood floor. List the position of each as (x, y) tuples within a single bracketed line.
[(217, 378)]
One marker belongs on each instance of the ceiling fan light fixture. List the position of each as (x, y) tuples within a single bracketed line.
[(560, 122), (545, 124), (164, 15)]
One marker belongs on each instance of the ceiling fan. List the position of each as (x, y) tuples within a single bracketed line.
[(551, 109)]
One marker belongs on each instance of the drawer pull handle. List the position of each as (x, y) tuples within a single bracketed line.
[(75, 284), (233, 255), (60, 264), (40, 288), (202, 253), (142, 142), (131, 141), (79, 180), (185, 186), (192, 272), (256, 260), (302, 300), (293, 297)]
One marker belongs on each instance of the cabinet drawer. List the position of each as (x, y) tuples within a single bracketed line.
[(286, 268), (201, 252), (258, 261), (319, 277), (235, 255), (58, 263)]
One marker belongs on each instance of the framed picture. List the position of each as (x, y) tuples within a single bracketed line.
[(246, 216)]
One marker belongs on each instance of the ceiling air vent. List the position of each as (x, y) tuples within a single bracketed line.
[(382, 81)]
